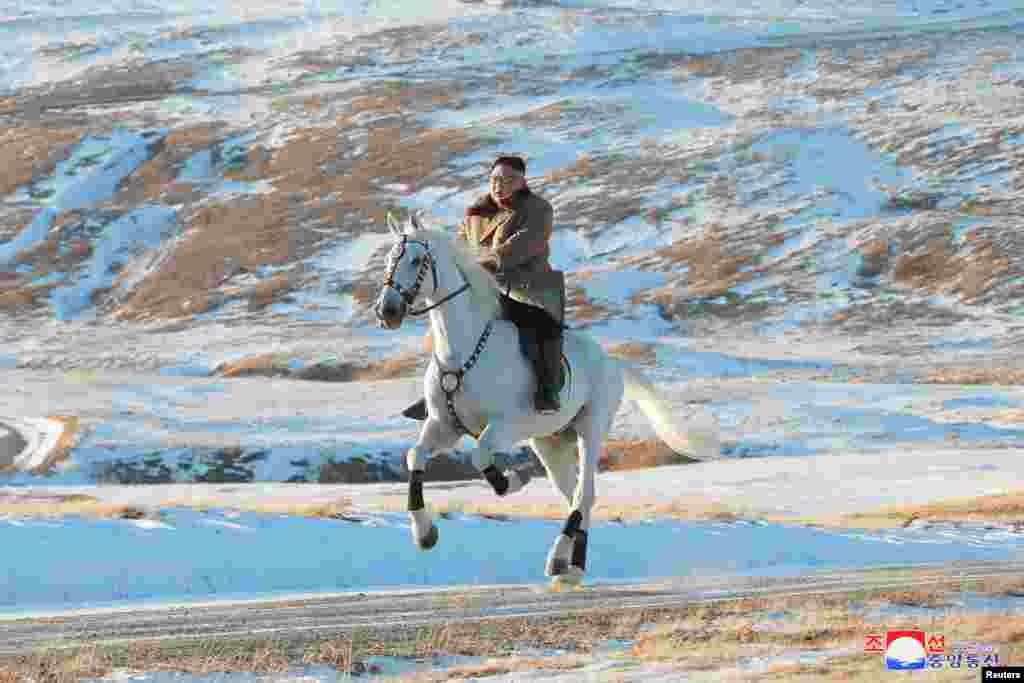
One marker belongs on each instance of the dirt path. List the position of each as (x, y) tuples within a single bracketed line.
[(394, 615)]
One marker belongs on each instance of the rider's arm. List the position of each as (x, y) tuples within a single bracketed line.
[(527, 243)]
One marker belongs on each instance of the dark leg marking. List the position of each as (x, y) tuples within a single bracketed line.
[(559, 566), (416, 490), (572, 524), (430, 540), (498, 481), (573, 531), (579, 550)]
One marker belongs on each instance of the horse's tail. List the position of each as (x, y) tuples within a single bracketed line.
[(701, 443)]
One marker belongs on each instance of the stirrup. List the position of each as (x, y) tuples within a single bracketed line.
[(417, 411)]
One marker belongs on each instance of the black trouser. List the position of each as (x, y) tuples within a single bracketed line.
[(534, 323), (540, 340)]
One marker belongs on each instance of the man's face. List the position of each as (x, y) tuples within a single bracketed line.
[(504, 182)]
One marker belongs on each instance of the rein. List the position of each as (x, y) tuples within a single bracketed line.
[(450, 380)]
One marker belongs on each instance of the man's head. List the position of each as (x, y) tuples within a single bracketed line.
[(508, 176)]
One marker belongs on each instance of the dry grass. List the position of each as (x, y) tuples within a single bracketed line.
[(581, 309), (197, 658), (976, 375), (637, 454), (581, 169), (641, 352), (711, 270), (397, 98), (264, 364), (997, 508), (1003, 507), (706, 638), (88, 507), (62, 506), (1008, 416), (875, 254), (156, 175), (30, 153), (494, 667), (739, 65), (255, 232), (713, 638), (25, 297), (314, 186), (680, 508), (937, 270), (339, 508), (405, 365), (1000, 508), (934, 599)]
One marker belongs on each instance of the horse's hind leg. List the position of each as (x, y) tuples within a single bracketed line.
[(559, 455), (497, 437), (568, 557)]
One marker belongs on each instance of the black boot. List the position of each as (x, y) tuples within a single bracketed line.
[(549, 374), (417, 411)]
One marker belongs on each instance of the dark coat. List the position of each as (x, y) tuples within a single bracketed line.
[(519, 238)]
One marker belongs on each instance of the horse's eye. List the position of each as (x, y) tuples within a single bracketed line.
[(417, 261)]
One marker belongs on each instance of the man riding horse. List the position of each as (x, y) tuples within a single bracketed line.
[(511, 226)]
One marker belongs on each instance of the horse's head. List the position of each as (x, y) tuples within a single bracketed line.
[(407, 266)]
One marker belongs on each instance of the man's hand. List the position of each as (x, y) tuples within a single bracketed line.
[(483, 253)]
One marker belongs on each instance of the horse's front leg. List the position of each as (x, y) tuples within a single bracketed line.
[(499, 437), (434, 436)]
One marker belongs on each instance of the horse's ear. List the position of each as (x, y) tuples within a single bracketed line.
[(393, 224)]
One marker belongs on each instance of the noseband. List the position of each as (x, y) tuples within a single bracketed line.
[(409, 295)]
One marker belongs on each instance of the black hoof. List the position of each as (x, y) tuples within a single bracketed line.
[(497, 480), (557, 567), (428, 541)]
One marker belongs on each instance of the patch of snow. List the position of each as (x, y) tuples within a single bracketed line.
[(198, 560), (138, 231), (89, 176), (310, 674), (617, 287), (853, 188), (41, 436)]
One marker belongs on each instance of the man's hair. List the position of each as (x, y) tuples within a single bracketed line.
[(512, 161)]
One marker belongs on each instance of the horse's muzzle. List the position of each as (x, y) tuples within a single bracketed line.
[(389, 316)]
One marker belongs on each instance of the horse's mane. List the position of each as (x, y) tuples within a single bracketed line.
[(482, 285)]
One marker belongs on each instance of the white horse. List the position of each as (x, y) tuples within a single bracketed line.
[(479, 383)]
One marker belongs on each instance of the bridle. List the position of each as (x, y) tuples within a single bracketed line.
[(450, 380), (409, 295)]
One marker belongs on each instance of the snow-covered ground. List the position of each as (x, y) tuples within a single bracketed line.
[(183, 555), (803, 437)]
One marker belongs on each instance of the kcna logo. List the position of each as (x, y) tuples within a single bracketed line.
[(905, 650)]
